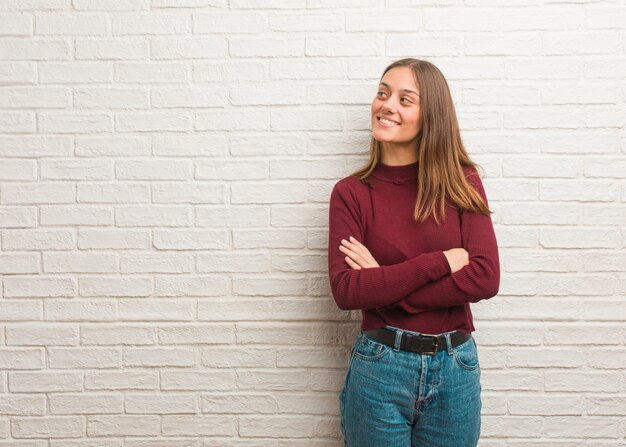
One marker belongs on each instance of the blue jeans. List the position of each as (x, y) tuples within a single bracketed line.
[(397, 398)]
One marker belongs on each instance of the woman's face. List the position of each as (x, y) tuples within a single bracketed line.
[(397, 100)]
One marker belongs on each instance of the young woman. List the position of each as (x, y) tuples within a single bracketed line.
[(411, 244)]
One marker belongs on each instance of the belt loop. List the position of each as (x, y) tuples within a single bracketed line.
[(398, 341), (448, 343)]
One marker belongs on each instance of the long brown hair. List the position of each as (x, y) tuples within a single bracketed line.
[(440, 151)]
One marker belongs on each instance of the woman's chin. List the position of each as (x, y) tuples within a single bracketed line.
[(382, 136)]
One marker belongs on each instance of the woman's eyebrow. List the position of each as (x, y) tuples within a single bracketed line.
[(402, 90)]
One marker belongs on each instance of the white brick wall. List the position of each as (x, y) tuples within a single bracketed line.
[(165, 172)]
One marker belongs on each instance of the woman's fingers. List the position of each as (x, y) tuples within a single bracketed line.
[(352, 264), (358, 253), (356, 246), (353, 254), (357, 243)]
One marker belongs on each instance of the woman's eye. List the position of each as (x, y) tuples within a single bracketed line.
[(383, 93)]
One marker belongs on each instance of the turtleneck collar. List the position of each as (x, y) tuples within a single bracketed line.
[(396, 174)]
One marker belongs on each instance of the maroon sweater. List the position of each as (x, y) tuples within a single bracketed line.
[(413, 288)]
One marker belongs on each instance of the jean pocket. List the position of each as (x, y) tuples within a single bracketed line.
[(466, 354), (369, 349)]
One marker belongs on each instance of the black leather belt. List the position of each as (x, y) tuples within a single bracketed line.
[(422, 344)]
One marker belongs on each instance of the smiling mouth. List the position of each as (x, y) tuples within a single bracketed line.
[(387, 123)]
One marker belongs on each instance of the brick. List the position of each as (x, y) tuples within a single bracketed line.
[(153, 215), (151, 72), (16, 25), (122, 380), (111, 98), (239, 310), (169, 98), (156, 263), (381, 20), (156, 310), (169, 403), (75, 122), (59, 215), (111, 335), (111, 425), (227, 120), (21, 310), (152, 121), (187, 193), (74, 72), (71, 24), (188, 425), (110, 5), (22, 405), (45, 381), (213, 403), (86, 403), (284, 120), (226, 70), (266, 46), (153, 170), (248, 357), (168, 48), (269, 239), (113, 239), (34, 50), (121, 146), (117, 192), (153, 23), (202, 380), (230, 216), (504, 45), (306, 69), (74, 358), (42, 335), (18, 72), (550, 19), (34, 97), (17, 122), (61, 239), (39, 286), (115, 286), (40, 192), (231, 170), (269, 285), (48, 427), (222, 333), (190, 145), (162, 357), (353, 45), (270, 426), (21, 358), (274, 93), (73, 262), (201, 286), (233, 262), (79, 310)]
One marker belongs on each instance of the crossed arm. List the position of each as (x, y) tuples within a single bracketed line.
[(362, 284), (370, 286)]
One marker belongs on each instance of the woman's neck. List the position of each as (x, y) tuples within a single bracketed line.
[(398, 156)]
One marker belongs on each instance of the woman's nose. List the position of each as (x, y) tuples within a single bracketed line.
[(388, 105), (387, 108)]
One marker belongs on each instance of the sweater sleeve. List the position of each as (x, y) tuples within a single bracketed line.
[(478, 280), (370, 288)]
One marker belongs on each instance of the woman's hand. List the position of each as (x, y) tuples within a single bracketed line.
[(457, 258), (358, 256)]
